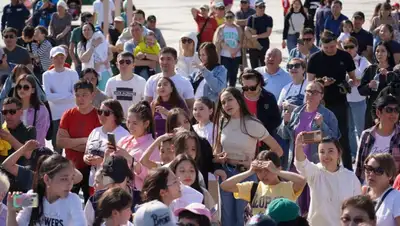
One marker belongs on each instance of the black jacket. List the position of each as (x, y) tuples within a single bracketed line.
[(268, 111), (288, 23)]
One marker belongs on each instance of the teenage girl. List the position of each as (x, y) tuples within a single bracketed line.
[(203, 109)]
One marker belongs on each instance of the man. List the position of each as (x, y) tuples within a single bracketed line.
[(332, 23), (275, 78), (168, 60), (206, 25), (364, 38), (320, 18), (14, 15), (151, 25), (311, 6), (219, 13), (76, 37), (26, 39), (262, 23), (244, 13), (75, 126), (332, 65), (98, 11), (138, 17), (305, 45), (113, 33), (58, 84), (18, 133), (126, 87), (15, 54)]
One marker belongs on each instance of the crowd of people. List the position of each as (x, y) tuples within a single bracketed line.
[(216, 132)]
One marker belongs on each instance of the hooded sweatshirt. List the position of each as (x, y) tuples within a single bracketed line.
[(184, 66)]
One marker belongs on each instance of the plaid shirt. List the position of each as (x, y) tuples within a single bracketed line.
[(366, 144)]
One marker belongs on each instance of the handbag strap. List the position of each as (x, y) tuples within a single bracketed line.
[(253, 191), (204, 27), (382, 199)]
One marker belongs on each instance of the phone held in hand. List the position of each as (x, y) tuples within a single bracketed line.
[(111, 139), (312, 137), (29, 200)]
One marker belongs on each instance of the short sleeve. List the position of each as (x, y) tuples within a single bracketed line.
[(244, 191), (64, 122), (24, 177), (396, 206), (350, 63), (370, 39), (89, 212), (270, 22), (188, 93), (256, 129), (148, 91), (312, 64), (282, 96), (77, 215), (197, 19), (250, 22)]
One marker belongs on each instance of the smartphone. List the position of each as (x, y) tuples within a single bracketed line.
[(111, 139), (214, 210), (30, 200), (312, 137)]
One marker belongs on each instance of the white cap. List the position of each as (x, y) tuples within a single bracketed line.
[(57, 50), (153, 213), (63, 4)]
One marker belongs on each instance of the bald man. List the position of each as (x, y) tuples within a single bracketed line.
[(274, 76)]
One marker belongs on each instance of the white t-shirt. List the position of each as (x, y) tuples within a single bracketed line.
[(294, 90), (205, 132), (128, 93), (97, 144), (98, 8), (343, 37), (59, 88), (389, 209), (361, 64), (200, 90), (381, 144), (64, 211), (183, 85), (231, 39)]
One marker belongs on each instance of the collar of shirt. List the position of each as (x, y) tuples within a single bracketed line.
[(272, 75)]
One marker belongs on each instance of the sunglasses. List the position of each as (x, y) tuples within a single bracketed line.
[(261, 6), (9, 36), (377, 171), (127, 62), (229, 17), (11, 111), (251, 88), (24, 87), (390, 110), (292, 66), (183, 224), (244, 2), (313, 92), (104, 112), (307, 39), (349, 47), (186, 40)]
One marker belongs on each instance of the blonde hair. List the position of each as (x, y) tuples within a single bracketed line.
[(4, 183)]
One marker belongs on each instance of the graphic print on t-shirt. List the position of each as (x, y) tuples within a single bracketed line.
[(124, 93), (97, 147), (260, 203), (52, 221)]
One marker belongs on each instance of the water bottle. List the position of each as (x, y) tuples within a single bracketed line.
[(376, 78)]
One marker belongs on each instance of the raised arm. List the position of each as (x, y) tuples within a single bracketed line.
[(10, 164)]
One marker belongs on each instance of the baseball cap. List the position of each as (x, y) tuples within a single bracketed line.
[(206, 7), (119, 18), (219, 4), (261, 220), (152, 18), (283, 210), (57, 50), (153, 213), (117, 169), (259, 2), (359, 14), (196, 208)]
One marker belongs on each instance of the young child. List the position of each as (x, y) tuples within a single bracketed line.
[(149, 49), (164, 144), (203, 110), (4, 186), (346, 27)]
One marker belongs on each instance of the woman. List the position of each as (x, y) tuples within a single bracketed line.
[(35, 112), (111, 117), (187, 54), (93, 52), (380, 172), (386, 33), (210, 78), (308, 117), (228, 39), (91, 75), (384, 17), (238, 133), (358, 210), (330, 183), (294, 23), (60, 24), (374, 78), (357, 102), (41, 52)]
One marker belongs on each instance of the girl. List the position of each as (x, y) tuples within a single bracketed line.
[(114, 208), (41, 52), (53, 183), (238, 133), (346, 27), (187, 54), (168, 98), (387, 34), (294, 23), (91, 75), (203, 109), (328, 180), (35, 112), (358, 210)]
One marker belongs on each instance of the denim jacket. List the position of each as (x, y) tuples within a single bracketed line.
[(329, 128), (215, 81)]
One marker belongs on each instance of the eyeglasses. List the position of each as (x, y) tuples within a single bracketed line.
[(186, 40), (11, 111), (251, 88), (390, 110), (127, 62), (379, 171), (183, 224), (229, 17), (349, 47), (292, 66), (313, 92), (9, 36), (25, 87), (104, 112)]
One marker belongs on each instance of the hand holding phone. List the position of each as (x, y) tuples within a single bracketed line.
[(111, 139), (29, 200), (312, 137)]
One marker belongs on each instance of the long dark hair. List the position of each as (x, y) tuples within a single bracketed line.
[(50, 166), (302, 11), (20, 69), (172, 119), (212, 55), (185, 157), (179, 142), (390, 57), (83, 39), (175, 99), (34, 100), (154, 183), (143, 112)]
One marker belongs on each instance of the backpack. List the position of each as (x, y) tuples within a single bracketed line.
[(248, 210), (49, 134)]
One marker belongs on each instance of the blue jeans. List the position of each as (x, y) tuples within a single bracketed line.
[(232, 210), (291, 42), (356, 123), (232, 66)]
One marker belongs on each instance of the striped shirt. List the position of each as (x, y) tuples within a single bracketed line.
[(42, 50)]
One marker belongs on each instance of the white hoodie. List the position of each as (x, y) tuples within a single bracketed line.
[(184, 66)]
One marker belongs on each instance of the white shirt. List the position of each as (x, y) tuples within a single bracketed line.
[(182, 84), (343, 37), (381, 144), (200, 90), (128, 93), (231, 39), (98, 8), (293, 91), (327, 190), (64, 211), (389, 209), (205, 132), (361, 64), (275, 82), (59, 89), (97, 143), (185, 67)]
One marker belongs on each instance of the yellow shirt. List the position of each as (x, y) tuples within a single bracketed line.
[(265, 194), (220, 20), (142, 47)]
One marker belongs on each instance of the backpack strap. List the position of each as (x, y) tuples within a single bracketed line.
[(253, 191)]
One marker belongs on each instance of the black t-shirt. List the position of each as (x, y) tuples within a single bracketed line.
[(19, 55), (114, 34), (261, 24), (312, 6), (26, 45), (364, 39), (394, 46), (336, 67)]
